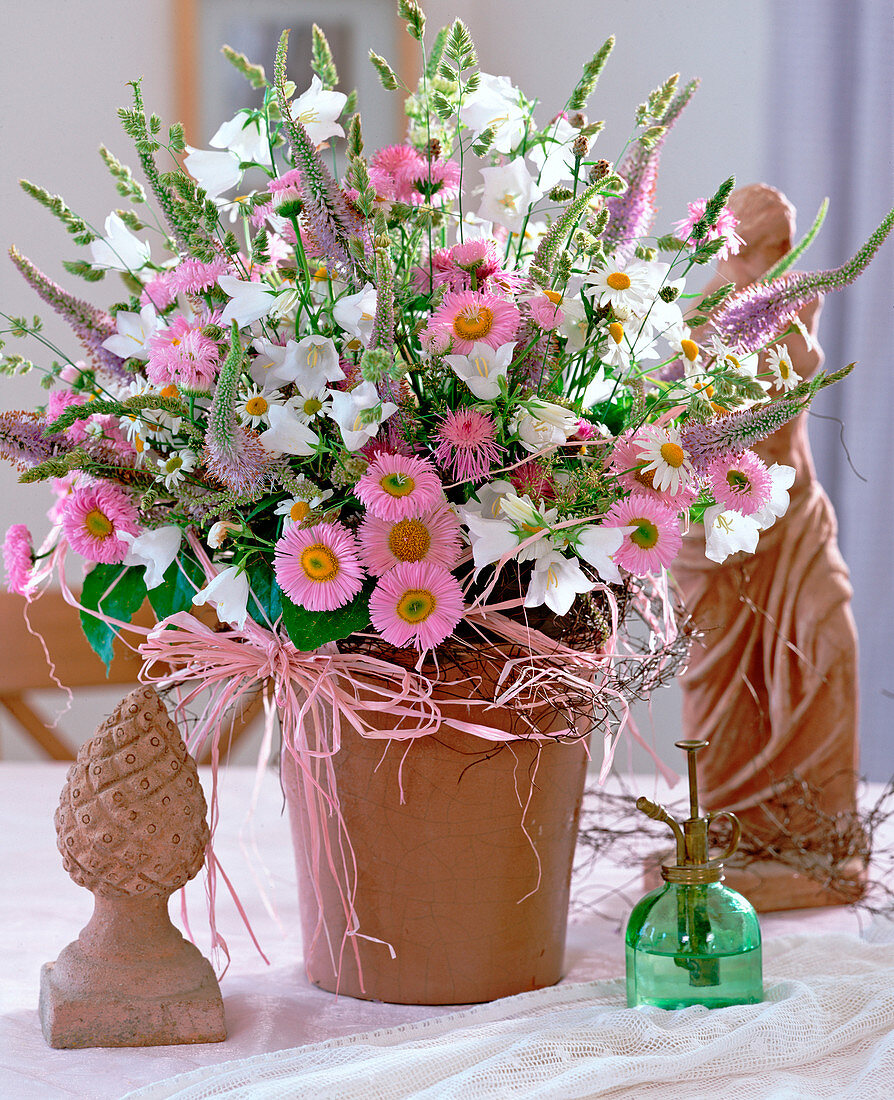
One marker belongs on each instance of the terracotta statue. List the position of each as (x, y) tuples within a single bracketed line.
[(131, 829), (774, 686)]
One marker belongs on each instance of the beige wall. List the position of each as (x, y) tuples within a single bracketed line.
[(68, 61)]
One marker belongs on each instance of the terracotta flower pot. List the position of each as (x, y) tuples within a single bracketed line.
[(449, 878)]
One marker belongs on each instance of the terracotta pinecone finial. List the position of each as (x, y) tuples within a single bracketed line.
[(131, 817)]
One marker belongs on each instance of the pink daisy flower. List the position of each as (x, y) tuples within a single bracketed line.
[(436, 183), (92, 518), (478, 254), (183, 356), (62, 488), (318, 567), (655, 538), (193, 276), (159, 292), (585, 430), (433, 536), (287, 186), (471, 317), (740, 482), (439, 269), (416, 603), (629, 468), (398, 487), (18, 557), (466, 447), (546, 312), (384, 183), (725, 229), (454, 267), (57, 402), (390, 170)]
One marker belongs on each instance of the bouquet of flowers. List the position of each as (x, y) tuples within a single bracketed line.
[(451, 388)]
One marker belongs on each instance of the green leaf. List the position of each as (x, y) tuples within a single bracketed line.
[(266, 605), (311, 629), (117, 591), (183, 577)]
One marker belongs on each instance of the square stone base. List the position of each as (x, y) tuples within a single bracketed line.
[(100, 1019)]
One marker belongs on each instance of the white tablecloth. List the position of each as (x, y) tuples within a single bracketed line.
[(268, 1008)]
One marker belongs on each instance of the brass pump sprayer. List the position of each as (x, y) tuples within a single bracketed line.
[(693, 865), (693, 940)]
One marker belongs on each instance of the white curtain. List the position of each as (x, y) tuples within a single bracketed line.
[(832, 132)]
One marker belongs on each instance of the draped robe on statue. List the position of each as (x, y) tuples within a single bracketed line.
[(773, 684)]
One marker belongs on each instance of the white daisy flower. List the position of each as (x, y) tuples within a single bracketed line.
[(171, 470), (687, 349), (616, 351), (297, 508), (253, 406), (726, 357), (132, 427), (663, 452), (140, 446), (624, 286), (779, 363), (309, 403)]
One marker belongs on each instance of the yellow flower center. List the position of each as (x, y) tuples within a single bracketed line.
[(673, 454), (554, 296), (738, 481), (98, 525), (690, 349), (415, 605), (473, 322), (616, 331), (312, 406), (256, 406), (617, 280), (645, 477), (645, 534), (783, 370), (409, 540), (138, 445), (298, 511), (321, 273), (173, 464), (169, 391), (319, 563), (397, 484)]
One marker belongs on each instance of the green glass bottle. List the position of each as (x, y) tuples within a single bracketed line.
[(693, 941)]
